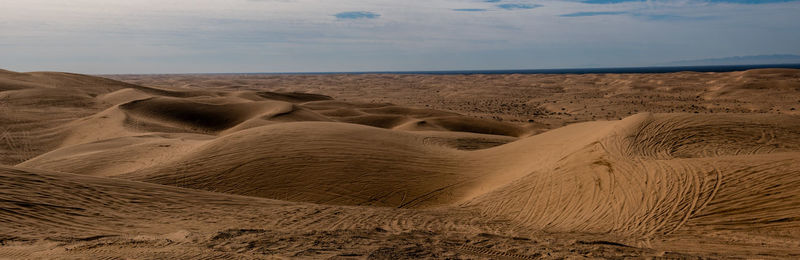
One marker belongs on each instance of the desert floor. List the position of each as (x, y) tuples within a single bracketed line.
[(238, 166)]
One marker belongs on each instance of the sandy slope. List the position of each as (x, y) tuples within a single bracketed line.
[(48, 215), (302, 170)]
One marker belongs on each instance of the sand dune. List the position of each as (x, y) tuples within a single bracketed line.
[(628, 182), (98, 158), (541, 98)]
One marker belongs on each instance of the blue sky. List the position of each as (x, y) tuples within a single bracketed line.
[(178, 36)]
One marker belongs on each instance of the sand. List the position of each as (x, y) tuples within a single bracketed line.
[(678, 165)]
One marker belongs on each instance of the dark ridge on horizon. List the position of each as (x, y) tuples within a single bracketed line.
[(739, 60), (602, 70)]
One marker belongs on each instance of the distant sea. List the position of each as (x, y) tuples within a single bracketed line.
[(720, 68)]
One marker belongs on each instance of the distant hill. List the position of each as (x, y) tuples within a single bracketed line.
[(741, 60)]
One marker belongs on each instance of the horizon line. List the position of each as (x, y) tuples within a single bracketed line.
[(567, 70)]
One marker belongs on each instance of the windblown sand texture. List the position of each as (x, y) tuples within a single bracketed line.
[(680, 165)]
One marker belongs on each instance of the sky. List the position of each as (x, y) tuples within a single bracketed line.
[(209, 36)]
